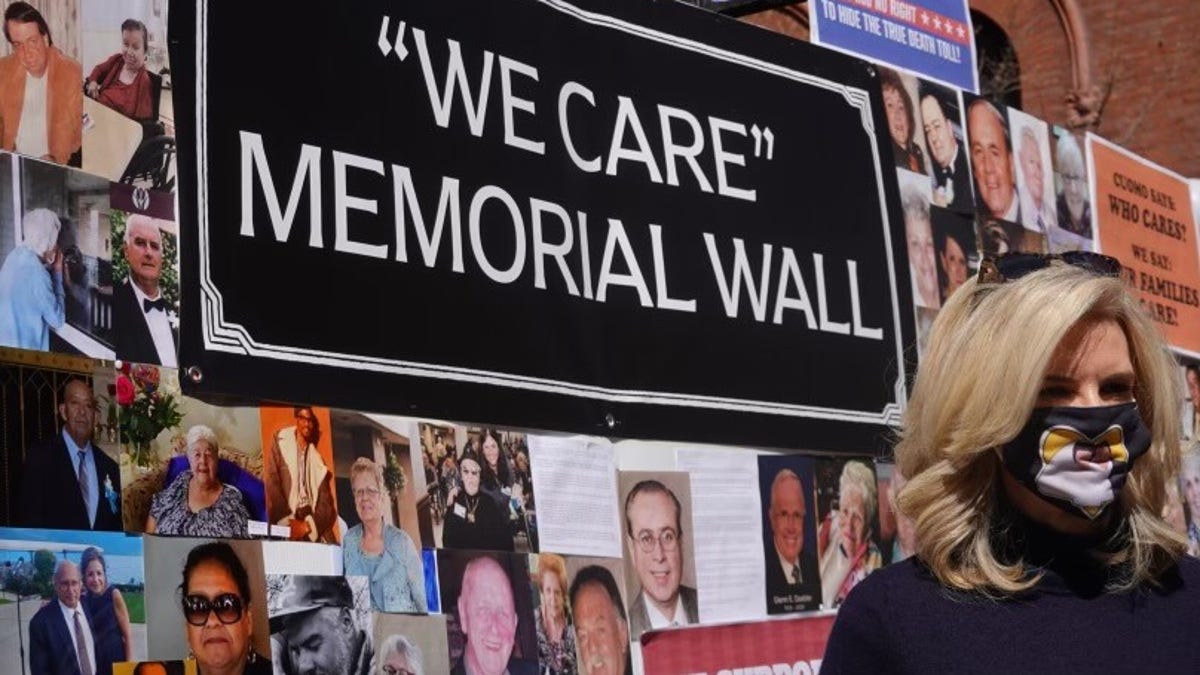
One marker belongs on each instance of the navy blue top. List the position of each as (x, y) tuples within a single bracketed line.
[(901, 620), (106, 632)]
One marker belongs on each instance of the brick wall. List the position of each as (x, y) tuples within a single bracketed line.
[(1147, 52)]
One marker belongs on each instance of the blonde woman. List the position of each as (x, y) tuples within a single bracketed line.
[(1041, 431)]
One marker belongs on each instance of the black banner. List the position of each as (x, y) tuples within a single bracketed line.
[(637, 219)]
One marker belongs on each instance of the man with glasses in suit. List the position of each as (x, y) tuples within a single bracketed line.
[(654, 534)]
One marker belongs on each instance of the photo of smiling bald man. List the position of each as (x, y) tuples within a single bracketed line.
[(658, 551), (489, 608), (789, 526)]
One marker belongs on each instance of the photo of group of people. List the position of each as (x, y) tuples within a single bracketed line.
[(977, 179), (1032, 199), (480, 487), (86, 83), (365, 587), (57, 584)]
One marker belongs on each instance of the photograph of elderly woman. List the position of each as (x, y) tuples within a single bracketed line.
[(410, 644), (97, 574), (1072, 205), (189, 468), (61, 443), (377, 501), (848, 534), (56, 284), (129, 119)]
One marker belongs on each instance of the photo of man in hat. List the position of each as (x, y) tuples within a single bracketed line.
[(317, 624)]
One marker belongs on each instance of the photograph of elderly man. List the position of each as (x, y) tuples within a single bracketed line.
[(60, 633), (320, 624), (41, 96), (942, 123), (68, 482), (145, 320), (992, 162), (789, 545), (1034, 179), (656, 549), (490, 605), (299, 472)]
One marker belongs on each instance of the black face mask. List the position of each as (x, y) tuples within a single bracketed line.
[(1077, 458)]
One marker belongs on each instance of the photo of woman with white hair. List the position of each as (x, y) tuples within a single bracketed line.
[(398, 656), (846, 537), (196, 503), (32, 300)]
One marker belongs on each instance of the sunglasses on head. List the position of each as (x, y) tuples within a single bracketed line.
[(227, 606), (1013, 266)]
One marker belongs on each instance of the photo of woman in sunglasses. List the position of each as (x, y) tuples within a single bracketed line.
[(206, 600), (216, 601)]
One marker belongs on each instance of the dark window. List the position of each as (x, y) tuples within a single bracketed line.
[(999, 69)]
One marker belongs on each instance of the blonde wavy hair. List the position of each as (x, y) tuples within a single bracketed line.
[(978, 382)]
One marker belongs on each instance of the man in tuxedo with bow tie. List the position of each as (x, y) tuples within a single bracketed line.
[(60, 633), (143, 326), (67, 482), (951, 182), (792, 581)]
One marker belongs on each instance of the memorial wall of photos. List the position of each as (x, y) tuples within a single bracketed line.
[(377, 543)]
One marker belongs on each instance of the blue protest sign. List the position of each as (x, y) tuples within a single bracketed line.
[(932, 38)]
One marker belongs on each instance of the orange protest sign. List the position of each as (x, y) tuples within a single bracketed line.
[(1143, 217)]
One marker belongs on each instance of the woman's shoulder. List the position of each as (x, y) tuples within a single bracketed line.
[(353, 533), (180, 481), (1181, 580), (104, 597), (897, 580), (175, 492)]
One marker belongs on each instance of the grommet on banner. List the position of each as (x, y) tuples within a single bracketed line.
[(871, 71), (195, 374), (610, 420)]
